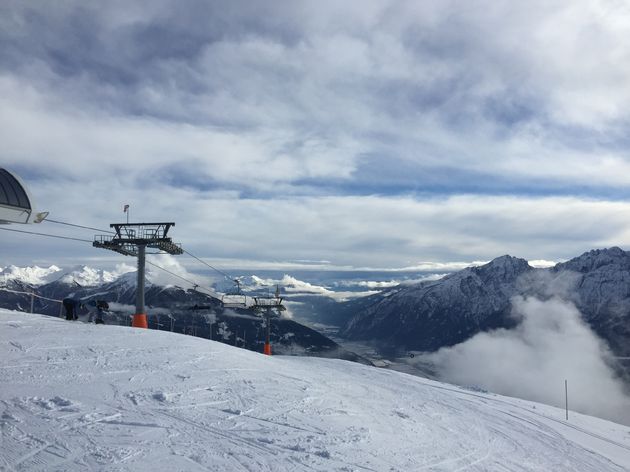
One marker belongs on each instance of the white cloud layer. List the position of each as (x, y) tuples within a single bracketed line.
[(166, 270), (551, 344), (294, 286), (364, 232)]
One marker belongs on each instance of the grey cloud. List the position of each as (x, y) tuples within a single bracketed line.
[(342, 230), (201, 60), (170, 105), (461, 53)]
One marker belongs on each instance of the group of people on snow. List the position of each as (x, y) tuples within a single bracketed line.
[(74, 305)]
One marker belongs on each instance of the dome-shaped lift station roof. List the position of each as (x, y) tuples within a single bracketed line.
[(16, 203)]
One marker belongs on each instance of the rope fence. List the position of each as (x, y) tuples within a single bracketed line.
[(33, 295)]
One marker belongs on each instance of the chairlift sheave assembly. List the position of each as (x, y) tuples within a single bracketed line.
[(269, 303)]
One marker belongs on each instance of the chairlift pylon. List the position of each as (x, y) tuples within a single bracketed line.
[(269, 307)]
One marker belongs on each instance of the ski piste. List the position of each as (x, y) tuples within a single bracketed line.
[(75, 396)]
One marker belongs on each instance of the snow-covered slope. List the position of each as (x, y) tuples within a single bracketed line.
[(83, 397)]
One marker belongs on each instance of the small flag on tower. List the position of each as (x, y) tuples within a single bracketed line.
[(126, 207)]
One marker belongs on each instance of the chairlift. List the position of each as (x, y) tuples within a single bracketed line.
[(270, 303), (234, 298), (267, 302)]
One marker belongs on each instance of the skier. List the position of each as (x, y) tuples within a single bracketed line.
[(72, 306), (101, 307)]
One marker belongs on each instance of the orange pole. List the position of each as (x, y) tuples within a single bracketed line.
[(140, 320), (267, 350)]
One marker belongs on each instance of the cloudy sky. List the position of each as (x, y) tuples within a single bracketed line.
[(361, 133)]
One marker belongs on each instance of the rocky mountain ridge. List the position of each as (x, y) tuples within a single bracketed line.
[(431, 315)]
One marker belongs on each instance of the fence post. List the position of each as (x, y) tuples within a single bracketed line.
[(566, 399), (32, 301)]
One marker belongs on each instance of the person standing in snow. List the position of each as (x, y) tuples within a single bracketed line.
[(72, 306), (101, 307), (98, 310)]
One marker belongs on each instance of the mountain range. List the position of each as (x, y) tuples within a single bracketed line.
[(169, 307), (430, 315), (424, 316)]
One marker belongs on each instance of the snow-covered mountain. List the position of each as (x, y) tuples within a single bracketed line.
[(599, 283), (431, 315), (29, 275), (78, 396), (170, 308), (81, 275), (85, 276)]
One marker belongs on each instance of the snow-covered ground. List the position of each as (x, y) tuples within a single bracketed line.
[(77, 396)]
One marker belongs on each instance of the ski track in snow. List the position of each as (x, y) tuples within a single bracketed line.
[(77, 396)]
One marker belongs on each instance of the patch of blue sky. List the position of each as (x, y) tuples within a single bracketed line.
[(383, 177)]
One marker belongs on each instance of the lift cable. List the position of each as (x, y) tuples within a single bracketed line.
[(79, 226), (224, 274), (155, 265), (112, 232), (90, 241), (44, 234), (195, 285)]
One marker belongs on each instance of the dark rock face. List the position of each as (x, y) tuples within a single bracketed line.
[(431, 315), (602, 285)]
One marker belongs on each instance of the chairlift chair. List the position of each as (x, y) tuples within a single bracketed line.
[(269, 304), (234, 298)]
